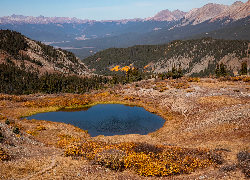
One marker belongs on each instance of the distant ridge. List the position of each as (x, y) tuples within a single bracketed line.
[(210, 11), (20, 19)]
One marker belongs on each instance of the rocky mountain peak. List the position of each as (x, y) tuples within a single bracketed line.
[(167, 15), (199, 15), (236, 11), (237, 3)]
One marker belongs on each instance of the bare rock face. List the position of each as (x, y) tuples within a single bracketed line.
[(199, 15), (236, 11), (167, 15)]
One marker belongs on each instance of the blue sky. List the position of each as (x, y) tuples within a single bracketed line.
[(100, 9)]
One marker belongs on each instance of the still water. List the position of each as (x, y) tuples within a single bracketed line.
[(107, 119)]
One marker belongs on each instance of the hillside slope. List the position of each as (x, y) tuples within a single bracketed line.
[(194, 56), (33, 55), (28, 67)]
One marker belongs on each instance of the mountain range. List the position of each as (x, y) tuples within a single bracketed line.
[(211, 20), (210, 11)]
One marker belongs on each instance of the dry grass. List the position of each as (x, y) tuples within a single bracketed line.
[(183, 114), (20, 169), (219, 101)]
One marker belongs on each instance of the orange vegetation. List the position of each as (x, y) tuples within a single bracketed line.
[(144, 159), (63, 101)]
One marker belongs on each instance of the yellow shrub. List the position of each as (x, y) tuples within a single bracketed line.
[(237, 78), (246, 79), (194, 79), (66, 140), (144, 159), (32, 133), (40, 127), (4, 155), (189, 91), (128, 98)]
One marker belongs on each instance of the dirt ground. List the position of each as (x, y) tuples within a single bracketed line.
[(208, 113)]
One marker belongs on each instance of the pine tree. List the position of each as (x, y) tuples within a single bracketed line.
[(220, 70), (217, 70), (180, 71), (243, 70), (223, 70)]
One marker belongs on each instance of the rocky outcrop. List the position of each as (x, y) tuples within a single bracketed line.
[(232, 62)]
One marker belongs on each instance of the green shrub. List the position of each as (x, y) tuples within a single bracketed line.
[(7, 121), (16, 130)]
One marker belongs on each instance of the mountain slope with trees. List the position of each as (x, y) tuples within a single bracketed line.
[(194, 56), (28, 66), (33, 55)]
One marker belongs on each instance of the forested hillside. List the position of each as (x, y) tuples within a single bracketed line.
[(194, 56), (29, 67)]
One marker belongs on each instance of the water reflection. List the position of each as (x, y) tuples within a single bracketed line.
[(108, 119)]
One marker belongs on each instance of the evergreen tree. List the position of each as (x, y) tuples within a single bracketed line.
[(243, 70), (180, 71), (223, 70), (161, 75), (220, 70), (217, 70)]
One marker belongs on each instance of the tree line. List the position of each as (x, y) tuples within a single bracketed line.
[(14, 80), (221, 69)]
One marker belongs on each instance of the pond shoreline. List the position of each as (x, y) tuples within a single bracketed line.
[(106, 119)]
